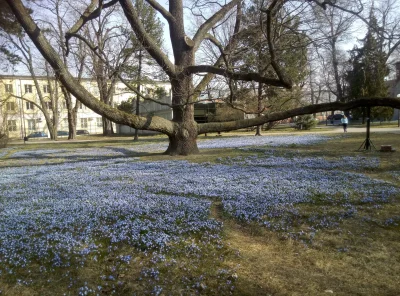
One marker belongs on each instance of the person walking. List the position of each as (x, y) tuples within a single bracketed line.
[(345, 122)]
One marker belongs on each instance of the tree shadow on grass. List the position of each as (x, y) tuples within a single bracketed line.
[(54, 156)]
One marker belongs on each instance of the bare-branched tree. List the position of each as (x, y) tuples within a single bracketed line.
[(183, 130)]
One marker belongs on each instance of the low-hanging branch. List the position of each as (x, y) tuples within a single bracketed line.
[(311, 109)]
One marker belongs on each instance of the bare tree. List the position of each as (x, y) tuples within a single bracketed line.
[(333, 26), (55, 32), (113, 50), (182, 130), (47, 93)]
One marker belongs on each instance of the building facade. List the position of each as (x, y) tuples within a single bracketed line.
[(19, 101)]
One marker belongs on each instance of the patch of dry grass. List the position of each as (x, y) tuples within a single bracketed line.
[(363, 259)]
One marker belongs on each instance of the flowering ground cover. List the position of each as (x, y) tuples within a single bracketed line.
[(38, 156), (103, 222), (65, 216), (396, 174)]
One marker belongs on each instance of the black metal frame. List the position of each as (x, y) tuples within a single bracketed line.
[(367, 144)]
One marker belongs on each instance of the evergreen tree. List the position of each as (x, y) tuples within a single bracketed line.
[(290, 47), (367, 77), (8, 24)]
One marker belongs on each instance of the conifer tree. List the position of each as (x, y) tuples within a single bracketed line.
[(367, 76), (8, 25), (290, 46)]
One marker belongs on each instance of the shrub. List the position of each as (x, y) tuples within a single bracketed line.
[(305, 122)]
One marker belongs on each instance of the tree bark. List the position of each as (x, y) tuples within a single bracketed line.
[(259, 108), (184, 141), (72, 114), (139, 82)]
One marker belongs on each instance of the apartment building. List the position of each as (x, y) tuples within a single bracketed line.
[(19, 101)]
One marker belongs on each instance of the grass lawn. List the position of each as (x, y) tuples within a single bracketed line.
[(283, 214)]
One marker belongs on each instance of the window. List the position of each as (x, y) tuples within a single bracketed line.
[(46, 88), (84, 122), (99, 122), (31, 124), (96, 91), (65, 122), (12, 125), (80, 105), (9, 88), (10, 106), (28, 88), (48, 105), (29, 106)]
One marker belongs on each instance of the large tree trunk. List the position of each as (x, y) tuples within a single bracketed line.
[(183, 140), (107, 127), (72, 119), (72, 114)]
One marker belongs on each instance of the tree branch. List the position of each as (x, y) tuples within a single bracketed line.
[(26, 100), (74, 87), (206, 26), (271, 13), (146, 98), (148, 43), (331, 3), (234, 125), (229, 48), (237, 76), (90, 13), (165, 13), (215, 42)]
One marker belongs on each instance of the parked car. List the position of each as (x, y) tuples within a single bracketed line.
[(335, 117), (62, 133), (37, 135), (82, 132)]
